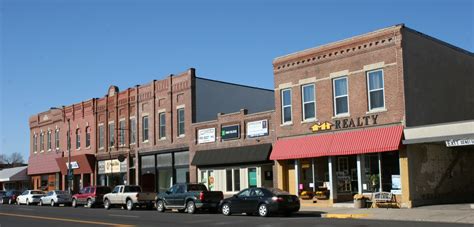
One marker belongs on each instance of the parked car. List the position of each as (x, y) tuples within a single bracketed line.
[(130, 196), (90, 196), (188, 198), (2, 193), (261, 201), (29, 197), (55, 198), (10, 197)]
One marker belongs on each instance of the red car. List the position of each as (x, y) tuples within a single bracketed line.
[(90, 196)]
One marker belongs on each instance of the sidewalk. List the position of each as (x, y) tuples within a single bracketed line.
[(454, 213)]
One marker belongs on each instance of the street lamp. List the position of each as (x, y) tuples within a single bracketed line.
[(69, 169)]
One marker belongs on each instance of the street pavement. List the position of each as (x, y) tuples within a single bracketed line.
[(36, 216)]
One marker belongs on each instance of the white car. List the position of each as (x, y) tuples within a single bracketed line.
[(55, 198), (29, 197)]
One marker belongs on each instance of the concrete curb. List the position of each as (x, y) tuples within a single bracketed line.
[(354, 216)]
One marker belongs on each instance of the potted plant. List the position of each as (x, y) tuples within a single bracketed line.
[(374, 181), (306, 195), (359, 201)]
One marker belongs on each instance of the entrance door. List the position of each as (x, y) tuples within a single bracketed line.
[(291, 180)]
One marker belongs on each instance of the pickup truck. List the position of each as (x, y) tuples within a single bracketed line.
[(188, 198), (130, 196)]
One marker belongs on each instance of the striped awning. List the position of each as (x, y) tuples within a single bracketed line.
[(361, 141)]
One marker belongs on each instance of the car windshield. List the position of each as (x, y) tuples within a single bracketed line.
[(37, 192), (277, 191), (197, 187), (102, 190), (132, 189)]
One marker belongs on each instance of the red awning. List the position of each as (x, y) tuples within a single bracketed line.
[(369, 140)]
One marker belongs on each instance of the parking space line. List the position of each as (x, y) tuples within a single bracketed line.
[(66, 220), (121, 215)]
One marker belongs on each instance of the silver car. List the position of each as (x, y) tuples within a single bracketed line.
[(55, 198)]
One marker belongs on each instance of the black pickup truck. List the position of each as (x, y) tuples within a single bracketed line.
[(188, 198)]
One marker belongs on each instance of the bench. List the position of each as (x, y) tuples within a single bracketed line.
[(384, 199)]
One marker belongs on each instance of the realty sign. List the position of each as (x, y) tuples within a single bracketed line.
[(230, 132), (345, 123)]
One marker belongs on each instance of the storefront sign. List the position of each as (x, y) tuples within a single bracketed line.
[(396, 185), (112, 166), (459, 142), (207, 135), (74, 165), (257, 128), (345, 123), (230, 132)]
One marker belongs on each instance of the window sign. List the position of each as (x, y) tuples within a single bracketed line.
[(207, 135), (459, 142), (230, 132), (396, 185), (257, 128), (74, 165)]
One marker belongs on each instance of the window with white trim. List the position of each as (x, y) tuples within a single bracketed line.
[(42, 142), (111, 134), (133, 131), (121, 132), (308, 102), (181, 122), (341, 97), (375, 86), (145, 129), (162, 125), (88, 136), (101, 136), (35, 143), (56, 139), (286, 106), (232, 180), (48, 144)]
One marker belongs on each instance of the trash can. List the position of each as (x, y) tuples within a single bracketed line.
[(359, 203)]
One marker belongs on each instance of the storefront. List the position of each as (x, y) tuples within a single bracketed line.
[(82, 167), (158, 172), (233, 169), (44, 171), (112, 172), (14, 179), (340, 164)]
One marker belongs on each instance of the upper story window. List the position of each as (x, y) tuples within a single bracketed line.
[(375, 89), (56, 139), (122, 133), (101, 136), (88, 136), (133, 131), (35, 143), (145, 129), (341, 97), (308, 101), (42, 142), (181, 122), (111, 134), (78, 139), (286, 106), (48, 144), (162, 125)]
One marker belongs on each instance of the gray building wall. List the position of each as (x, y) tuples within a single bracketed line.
[(214, 97), (438, 80)]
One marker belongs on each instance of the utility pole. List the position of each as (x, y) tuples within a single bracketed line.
[(69, 176)]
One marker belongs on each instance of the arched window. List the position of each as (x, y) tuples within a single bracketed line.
[(78, 139), (88, 136)]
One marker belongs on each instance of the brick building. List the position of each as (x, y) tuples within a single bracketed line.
[(341, 109)]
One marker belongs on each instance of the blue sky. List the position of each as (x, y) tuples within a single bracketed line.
[(56, 52)]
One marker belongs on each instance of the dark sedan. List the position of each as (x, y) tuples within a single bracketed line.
[(10, 197), (261, 201)]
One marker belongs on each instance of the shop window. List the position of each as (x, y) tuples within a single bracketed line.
[(341, 97), (232, 180), (308, 102), (56, 139), (133, 131), (207, 178), (78, 139), (375, 89), (162, 125), (122, 131), (88, 136), (111, 134), (49, 140), (181, 130), (101, 136), (145, 129), (286, 106)]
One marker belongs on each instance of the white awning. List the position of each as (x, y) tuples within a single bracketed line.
[(439, 132), (14, 174)]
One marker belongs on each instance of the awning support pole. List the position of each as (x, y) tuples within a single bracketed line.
[(360, 173), (332, 180)]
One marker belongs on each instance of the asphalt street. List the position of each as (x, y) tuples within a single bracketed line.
[(36, 216)]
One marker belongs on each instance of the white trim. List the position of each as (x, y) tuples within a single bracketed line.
[(307, 81), (161, 111), (338, 74), (180, 106), (303, 102), (159, 125), (374, 66), (378, 89), (283, 106), (334, 96), (285, 85)]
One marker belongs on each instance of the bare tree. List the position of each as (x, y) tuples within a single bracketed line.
[(15, 159)]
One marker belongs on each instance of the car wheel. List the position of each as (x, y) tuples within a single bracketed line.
[(10, 201), (18, 202), (74, 203), (191, 207), (226, 209), (27, 202), (53, 203), (129, 204), (89, 203), (41, 202), (107, 204), (160, 206), (263, 210)]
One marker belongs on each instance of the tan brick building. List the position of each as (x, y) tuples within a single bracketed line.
[(341, 109)]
